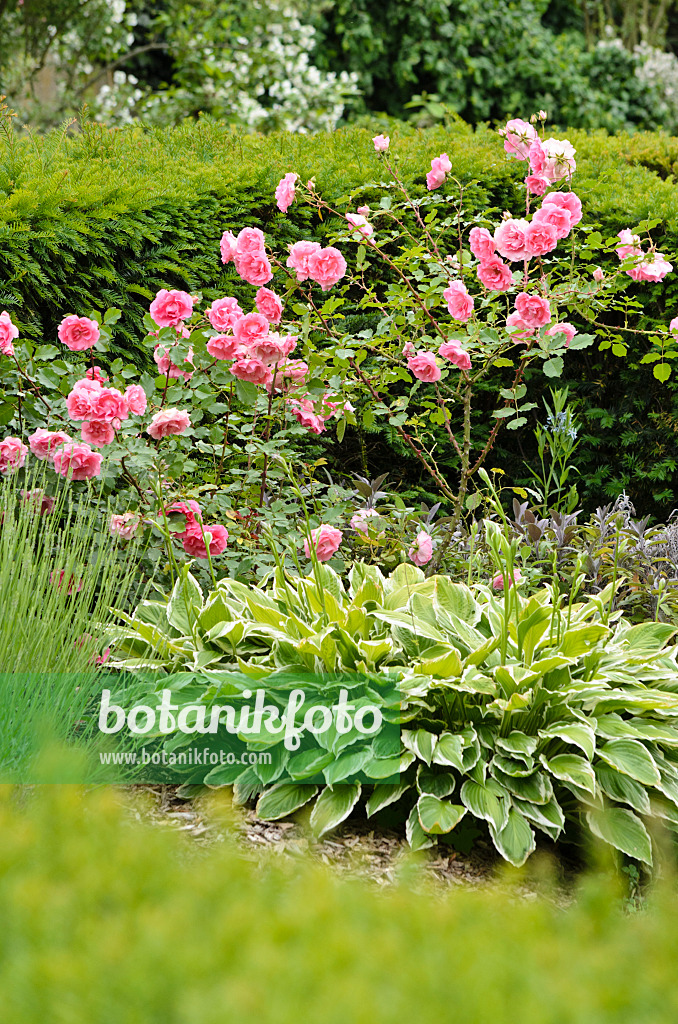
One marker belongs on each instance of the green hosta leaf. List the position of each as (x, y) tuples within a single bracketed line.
[(623, 830), (455, 599), (489, 801), (420, 742), (576, 733), (648, 637), (383, 795), (580, 639), (283, 799), (185, 603), (308, 763), (382, 767), (346, 765), (449, 751), (436, 784), (481, 653), (416, 836), (623, 789), (536, 788), (332, 806), (517, 743), (515, 841), (548, 817), (631, 758), (268, 773), (438, 817), (514, 768), (572, 768)]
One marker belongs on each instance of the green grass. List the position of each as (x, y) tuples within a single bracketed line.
[(105, 921)]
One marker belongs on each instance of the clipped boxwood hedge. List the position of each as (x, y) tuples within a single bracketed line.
[(104, 217)]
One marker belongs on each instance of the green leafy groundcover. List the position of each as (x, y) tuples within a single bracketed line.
[(105, 920), (524, 714)]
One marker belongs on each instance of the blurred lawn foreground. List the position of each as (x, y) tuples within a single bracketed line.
[(106, 920)]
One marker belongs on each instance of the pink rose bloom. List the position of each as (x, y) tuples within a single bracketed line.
[(254, 267), (81, 400), (481, 244), (408, 349), (195, 540), (533, 310), (673, 326), (44, 442), (108, 405), (304, 412), (598, 274), (459, 302), (421, 551), (168, 421), (453, 351), (42, 503), (518, 137), (299, 256), (250, 240), (73, 585), (135, 398), (517, 328), (95, 373), (273, 348), (170, 308), (269, 305), (567, 329), (326, 267), (509, 239), (250, 369), (12, 454), (557, 216), (536, 185), (499, 581), (77, 462), (223, 314), (190, 509), (630, 244), (290, 374), (228, 246), (325, 540), (540, 238), (167, 367), (78, 332), (567, 201), (381, 143), (559, 162), (360, 521), (364, 210), (495, 274), (250, 329), (8, 332), (97, 433), (424, 367), (125, 525), (224, 346), (440, 168), (284, 193), (360, 225), (655, 268)]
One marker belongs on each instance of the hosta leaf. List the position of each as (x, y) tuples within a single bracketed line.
[(332, 806), (517, 743), (416, 836), (446, 666), (536, 788), (283, 799), (421, 742), (308, 763), (488, 801), (454, 599), (622, 788), (346, 765), (647, 638), (623, 830), (185, 604), (515, 841), (382, 767), (438, 817), (580, 639), (631, 758), (548, 817), (383, 795), (575, 733), (449, 751), (572, 768), (436, 784)]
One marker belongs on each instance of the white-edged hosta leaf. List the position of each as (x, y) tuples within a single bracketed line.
[(622, 788), (421, 742), (488, 801), (517, 743), (346, 765), (416, 836), (548, 817), (436, 784), (515, 841), (575, 733), (283, 799), (623, 830), (332, 806), (572, 768), (383, 795), (536, 788), (449, 750), (631, 758), (436, 816)]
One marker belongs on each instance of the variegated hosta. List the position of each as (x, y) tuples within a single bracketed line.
[(522, 714)]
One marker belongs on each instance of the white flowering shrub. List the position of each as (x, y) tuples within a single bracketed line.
[(658, 72)]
